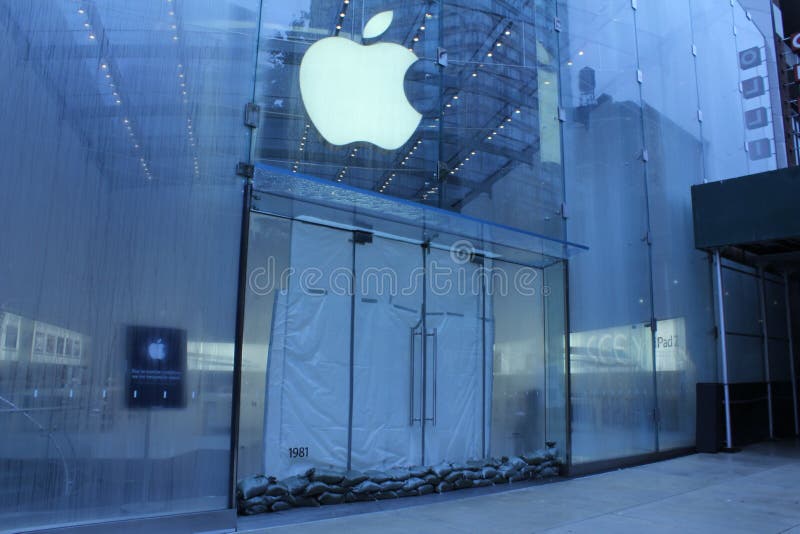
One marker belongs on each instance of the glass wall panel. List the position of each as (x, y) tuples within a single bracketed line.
[(119, 211), (268, 273), (685, 349), (554, 295), (733, 88), (611, 346), (519, 385), (743, 323), (486, 139)]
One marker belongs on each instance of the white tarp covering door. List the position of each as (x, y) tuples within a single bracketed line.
[(413, 338), (308, 368), (454, 388), (386, 384)]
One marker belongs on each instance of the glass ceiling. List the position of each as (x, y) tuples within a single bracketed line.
[(307, 198)]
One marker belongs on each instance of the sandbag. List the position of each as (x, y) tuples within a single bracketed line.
[(365, 487), (442, 470), (399, 474), (488, 472), (383, 495), (418, 471), (378, 476), (549, 472), (316, 488), (353, 478), (295, 485), (431, 479), (280, 506), (443, 487), (391, 485), (328, 476), (299, 501), (453, 476), (462, 483), (252, 486), (331, 498), (413, 483), (425, 489), (276, 490)]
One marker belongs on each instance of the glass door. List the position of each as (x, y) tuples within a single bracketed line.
[(308, 367), (454, 359), (387, 356)]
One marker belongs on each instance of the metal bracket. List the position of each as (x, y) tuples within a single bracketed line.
[(562, 114), (252, 112), (441, 56), (557, 24), (361, 237), (245, 170), (635, 4), (645, 155)]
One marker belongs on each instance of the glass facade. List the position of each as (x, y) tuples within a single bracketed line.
[(534, 124), (119, 133), (641, 84)]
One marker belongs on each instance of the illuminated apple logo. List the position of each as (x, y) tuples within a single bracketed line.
[(355, 93), (157, 350)]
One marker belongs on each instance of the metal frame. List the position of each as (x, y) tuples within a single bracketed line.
[(723, 348), (236, 397), (765, 337), (787, 302)]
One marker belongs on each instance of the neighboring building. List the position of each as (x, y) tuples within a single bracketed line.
[(199, 286)]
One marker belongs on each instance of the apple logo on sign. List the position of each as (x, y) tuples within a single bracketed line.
[(157, 350), (355, 92)]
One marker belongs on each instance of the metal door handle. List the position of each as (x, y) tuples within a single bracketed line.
[(412, 357), (435, 377), (411, 379)]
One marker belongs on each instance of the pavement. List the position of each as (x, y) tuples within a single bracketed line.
[(756, 490)]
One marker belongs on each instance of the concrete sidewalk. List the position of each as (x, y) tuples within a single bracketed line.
[(757, 490)]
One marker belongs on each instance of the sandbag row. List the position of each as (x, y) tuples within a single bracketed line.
[(317, 486)]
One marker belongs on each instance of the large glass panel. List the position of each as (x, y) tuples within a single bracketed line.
[(743, 323), (454, 360), (387, 359), (611, 344), (519, 385), (268, 264), (120, 215), (722, 102), (481, 134), (307, 419), (684, 343), (555, 355), (756, 91)]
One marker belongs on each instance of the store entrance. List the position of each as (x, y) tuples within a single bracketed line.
[(377, 357)]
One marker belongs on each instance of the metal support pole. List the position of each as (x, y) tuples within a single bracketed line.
[(241, 294), (791, 350), (723, 349), (762, 297)]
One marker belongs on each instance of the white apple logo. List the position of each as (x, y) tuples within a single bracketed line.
[(157, 350), (355, 93)]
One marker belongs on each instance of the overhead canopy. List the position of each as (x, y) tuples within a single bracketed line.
[(310, 199), (757, 214)]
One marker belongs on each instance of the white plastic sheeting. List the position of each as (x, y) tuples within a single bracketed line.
[(308, 370), (417, 399), (388, 307), (455, 356)]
